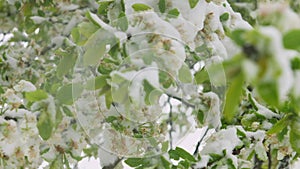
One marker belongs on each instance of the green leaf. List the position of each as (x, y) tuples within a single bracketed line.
[(148, 58), (45, 125), (75, 34), (238, 36), (295, 124), (280, 125), (200, 116), (68, 93), (136, 162), (185, 155), (173, 13), (174, 154), (215, 157), (165, 79), (96, 46), (268, 91), (162, 6), (93, 54), (66, 161), (44, 150), (165, 146), (230, 164), (67, 61), (105, 69), (36, 95), (250, 99), (185, 74), (1, 90), (87, 29), (193, 3), (241, 133), (295, 133), (74, 156), (58, 117), (91, 151), (96, 83), (104, 90), (122, 3), (83, 32), (110, 119), (120, 88), (200, 49), (152, 94), (140, 7), (57, 163), (108, 99), (103, 6), (67, 111), (94, 19), (201, 76), (281, 135), (233, 95), (224, 17), (295, 140), (232, 67), (291, 40), (184, 163), (122, 22), (295, 63), (165, 162)]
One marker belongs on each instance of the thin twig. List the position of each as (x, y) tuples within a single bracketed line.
[(114, 164), (284, 163), (181, 100), (269, 157), (170, 121), (257, 162), (200, 141)]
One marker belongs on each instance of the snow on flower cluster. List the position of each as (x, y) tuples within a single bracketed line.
[(20, 143), (168, 41)]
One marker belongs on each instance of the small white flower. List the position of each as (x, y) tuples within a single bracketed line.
[(225, 139), (12, 97)]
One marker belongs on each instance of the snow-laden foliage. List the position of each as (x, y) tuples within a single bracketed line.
[(126, 80)]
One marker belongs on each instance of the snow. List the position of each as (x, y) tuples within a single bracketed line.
[(67, 7), (88, 163), (24, 86), (100, 23), (213, 116), (225, 139), (15, 113), (296, 89), (189, 14), (262, 110), (175, 32), (286, 18), (38, 19), (12, 97)]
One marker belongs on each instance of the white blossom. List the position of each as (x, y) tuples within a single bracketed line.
[(12, 97)]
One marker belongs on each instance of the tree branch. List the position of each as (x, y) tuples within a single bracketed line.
[(200, 141), (269, 153), (284, 163), (171, 124), (257, 163), (113, 165), (181, 100)]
